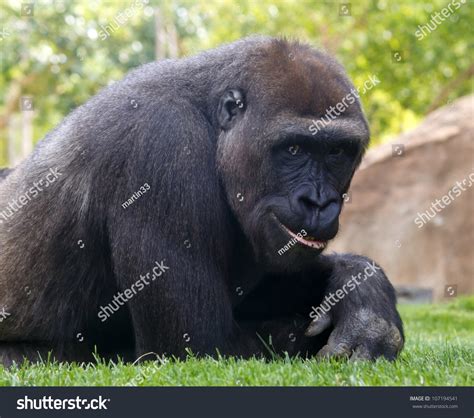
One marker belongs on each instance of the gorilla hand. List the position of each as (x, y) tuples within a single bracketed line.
[(365, 322), (361, 336)]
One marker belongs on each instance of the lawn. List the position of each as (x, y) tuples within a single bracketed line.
[(439, 351)]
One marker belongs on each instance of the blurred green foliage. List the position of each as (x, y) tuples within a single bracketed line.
[(57, 53)]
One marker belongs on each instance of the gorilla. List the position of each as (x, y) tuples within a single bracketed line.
[(152, 218)]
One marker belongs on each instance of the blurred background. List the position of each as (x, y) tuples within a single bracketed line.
[(54, 55)]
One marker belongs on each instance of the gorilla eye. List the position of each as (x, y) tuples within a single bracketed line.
[(294, 149), (336, 151)]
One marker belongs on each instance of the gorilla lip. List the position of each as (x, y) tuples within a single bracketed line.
[(312, 243)]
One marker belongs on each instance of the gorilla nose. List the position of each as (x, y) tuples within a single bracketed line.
[(328, 221), (319, 211)]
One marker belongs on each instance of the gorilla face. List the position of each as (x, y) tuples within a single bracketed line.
[(311, 176), (301, 208), (285, 184)]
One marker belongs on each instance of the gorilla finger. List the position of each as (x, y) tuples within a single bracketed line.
[(341, 350), (390, 351), (361, 353), (385, 347), (396, 339), (389, 345), (318, 325), (325, 352)]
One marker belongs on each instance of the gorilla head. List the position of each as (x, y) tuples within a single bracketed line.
[(285, 133)]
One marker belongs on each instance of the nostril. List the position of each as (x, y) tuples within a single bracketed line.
[(308, 203), (330, 212), (329, 204)]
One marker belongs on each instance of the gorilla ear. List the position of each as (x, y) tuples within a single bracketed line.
[(231, 104)]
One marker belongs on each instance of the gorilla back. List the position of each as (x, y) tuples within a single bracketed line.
[(150, 219)]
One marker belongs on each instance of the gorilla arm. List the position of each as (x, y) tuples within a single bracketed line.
[(361, 319)]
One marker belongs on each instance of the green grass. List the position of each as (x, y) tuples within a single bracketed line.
[(439, 351)]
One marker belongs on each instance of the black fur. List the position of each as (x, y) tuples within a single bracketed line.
[(206, 139)]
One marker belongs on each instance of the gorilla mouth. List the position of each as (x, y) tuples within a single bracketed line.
[(307, 241)]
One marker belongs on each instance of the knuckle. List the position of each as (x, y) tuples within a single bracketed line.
[(395, 338)]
